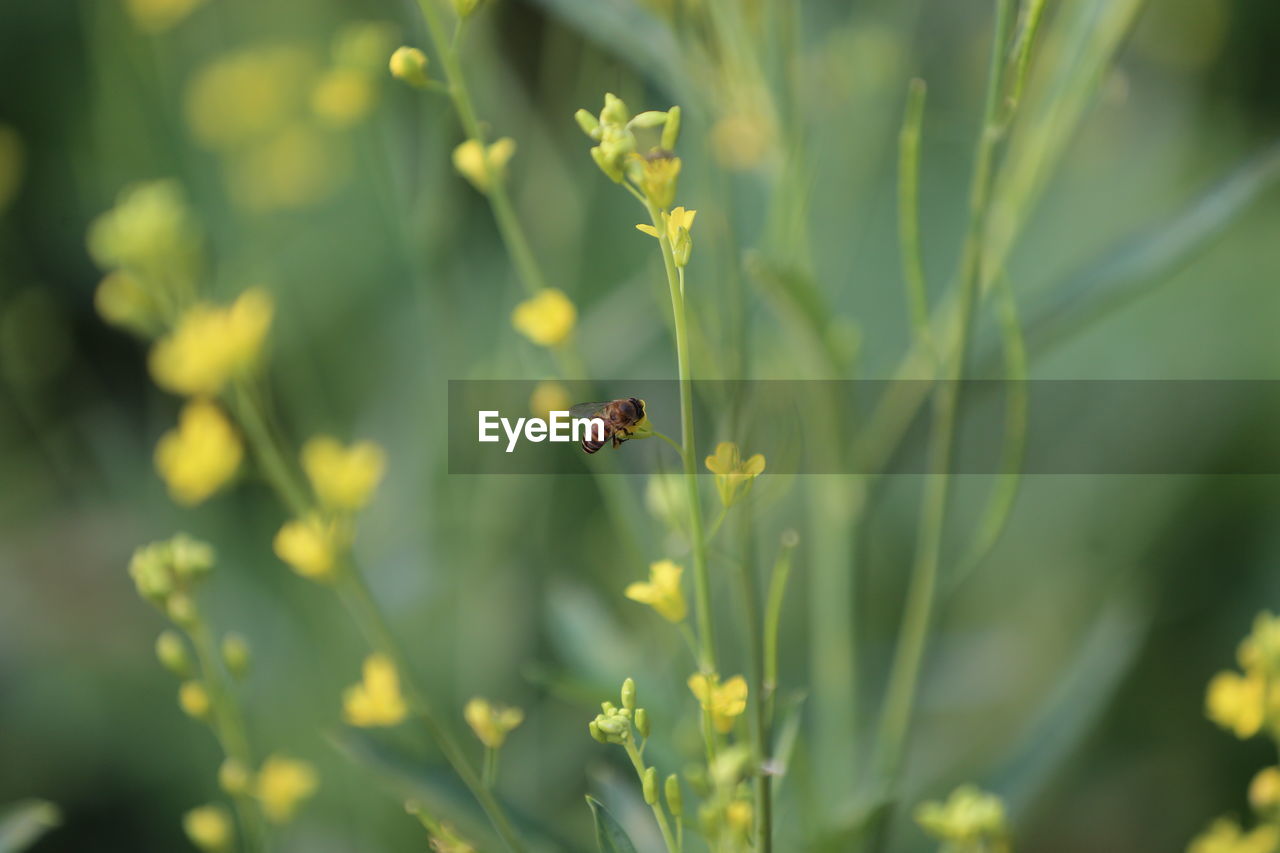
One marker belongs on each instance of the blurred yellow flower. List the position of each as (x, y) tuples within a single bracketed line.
[(724, 701), (468, 159), (343, 478), (548, 397), (234, 777), (343, 96), (662, 591), (363, 44), (149, 231), (310, 546), (10, 165), (193, 698), (209, 828), (201, 455), (491, 723), (1261, 649), (211, 344), (739, 816), (1225, 836), (1236, 702), (546, 319), (294, 168), (376, 700), (123, 301), (248, 95), (282, 784), (733, 476), (409, 65), (1264, 790), (969, 816), (156, 16), (742, 141)]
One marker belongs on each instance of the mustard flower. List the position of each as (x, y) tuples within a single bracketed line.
[(171, 651), (149, 231), (310, 546), (201, 455), (343, 478), (248, 95), (662, 591), (724, 701), (123, 301), (1264, 790), (408, 64), (546, 319), (657, 174), (376, 700), (194, 699), (968, 816), (291, 169), (211, 344), (1236, 702), (343, 96), (491, 723), (1226, 836), (209, 828), (677, 224), (282, 784), (733, 476), (1261, 649), (469, 160)]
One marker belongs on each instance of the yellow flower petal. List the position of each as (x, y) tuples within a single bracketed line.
[(211, 344), (282, 784), (309, 546), (201, 455), (546, 319), (343, 478), (376, 700)]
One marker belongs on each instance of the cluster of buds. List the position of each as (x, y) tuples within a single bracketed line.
[(620, 725), (614, 131), (164, 572), (968, 820)]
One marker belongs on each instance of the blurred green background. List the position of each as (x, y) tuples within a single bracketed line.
[(1066, 674)]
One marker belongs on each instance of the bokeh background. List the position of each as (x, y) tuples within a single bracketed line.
[(1067, 672)]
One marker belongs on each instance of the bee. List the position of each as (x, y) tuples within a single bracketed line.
[(621, 417)]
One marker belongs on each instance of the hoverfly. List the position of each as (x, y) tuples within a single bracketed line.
[(621, 417)]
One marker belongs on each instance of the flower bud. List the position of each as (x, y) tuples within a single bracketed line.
[(172, 652), (671, 130), (149, 569), (647, 119), (615, 111), (234, 777), (235, 654), (1264, 790), (190, 557), (675, 801), (464, 8), (594, 729), (409, 65), (590, 124), (181, 609), (629, 694), (649, 784), (193, 698), (642, 722)]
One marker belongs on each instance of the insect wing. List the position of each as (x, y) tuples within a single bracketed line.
[(588, 410)]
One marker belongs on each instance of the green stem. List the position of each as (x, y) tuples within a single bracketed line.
[(773, 619), (759, 727), (918, 613), (909, 209), (659, 814), (229, 727), (490, 772)]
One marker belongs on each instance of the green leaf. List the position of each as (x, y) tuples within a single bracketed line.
[(610, 835), (22, 823)]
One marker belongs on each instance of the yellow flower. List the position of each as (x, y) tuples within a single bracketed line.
[(739, 815), (310, 546), (376, 700), (201, 455), (468, 159), (733, 476), (724, 701), (1235, 702), (291, 169), (546, 319), (282, 784), (675, 220), (1261, 649), (548, 397), (150, 231), (193, 698), (211, 344), (491, 723), (156, 16), (657, 178), (1264, 790), (209, 828), (409, 65), (343, 478), (969, 816), (248, 95), (1225, 836), (662, 592), (343, 96)]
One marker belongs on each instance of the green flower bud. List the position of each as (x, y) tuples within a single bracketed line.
[(671, 130), (649, 784), (629, 694), (596, 734), (642, 722), (608, 707), (675, 801), (590, 124), (408, 64), (611, 726), (181, 609), (615, 111), (464, 8), (149, 569), (190, 557), (234, 777), (172, 652), (648, 118), (235, 654)]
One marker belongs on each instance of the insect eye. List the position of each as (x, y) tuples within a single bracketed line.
[(639, 406)]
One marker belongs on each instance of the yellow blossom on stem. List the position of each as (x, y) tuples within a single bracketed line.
[(1226, 836), (1264, 790), (310, 546), (675, 220), (209, 828), (201, 455), (282, 784), (657, 175), (969, 816), (733, 476), (343, 478), (376, 700), (211, 344), (546, 319), (1236, 702), (343, 96), (662, 591), (469, 157), (491, 723), (194, 699), (724, 701), (409, 65)]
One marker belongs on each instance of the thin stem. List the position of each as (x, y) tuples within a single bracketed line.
[(773, 618), (490, 772), (659, 813), (909, 209), (671, 441), (750, 592), (918, 613)]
